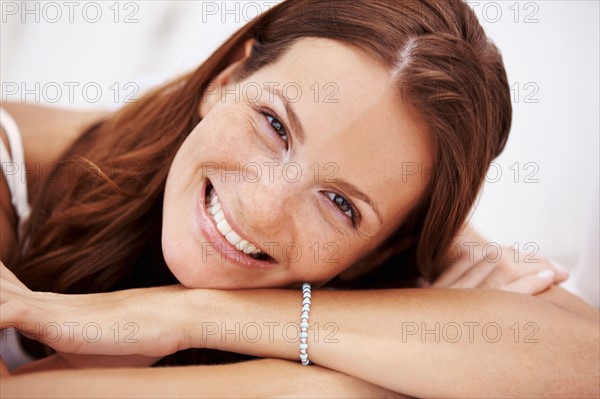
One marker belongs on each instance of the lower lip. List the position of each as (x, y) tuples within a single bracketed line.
[(223, 247)]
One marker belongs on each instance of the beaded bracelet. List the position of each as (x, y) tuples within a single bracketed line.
[(304, 324)]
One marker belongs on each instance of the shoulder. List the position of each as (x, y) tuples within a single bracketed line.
[(48, 131)]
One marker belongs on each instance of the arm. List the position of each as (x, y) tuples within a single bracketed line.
[(260, 378), (374, 332), (65, 361), (381, 339), (474, 262), (376, 336), (468, 268)]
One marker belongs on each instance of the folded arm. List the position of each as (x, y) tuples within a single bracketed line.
[(388, 337), (473, 341), (261, 378)]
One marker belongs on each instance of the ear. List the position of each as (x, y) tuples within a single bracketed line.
[(214, 91)]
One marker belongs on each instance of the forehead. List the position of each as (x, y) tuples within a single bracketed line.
[(353, 115)]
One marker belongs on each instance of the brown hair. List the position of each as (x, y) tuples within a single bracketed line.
[(96, 220)]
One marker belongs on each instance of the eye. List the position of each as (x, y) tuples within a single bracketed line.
[(276, 125), (343, 205)]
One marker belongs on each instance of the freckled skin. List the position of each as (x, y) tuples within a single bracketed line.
[(357, 130)]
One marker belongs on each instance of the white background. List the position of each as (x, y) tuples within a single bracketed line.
[(550, 49)]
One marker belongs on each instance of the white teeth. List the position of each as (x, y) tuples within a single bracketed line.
[(242, 245), (224, 227), (216, 210), (250, 249), (220, 216), (233, 238)]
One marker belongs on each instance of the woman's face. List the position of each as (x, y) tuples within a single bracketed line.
[(293, 173)]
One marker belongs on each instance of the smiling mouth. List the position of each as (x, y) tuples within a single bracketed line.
[(215, 212)]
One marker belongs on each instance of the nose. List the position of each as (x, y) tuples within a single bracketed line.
[(268, 204)]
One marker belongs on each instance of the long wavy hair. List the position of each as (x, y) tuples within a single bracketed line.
[(96, 220)]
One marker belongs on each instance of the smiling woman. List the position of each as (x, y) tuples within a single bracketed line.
[(238, 175), (292, 209), (412, 90)]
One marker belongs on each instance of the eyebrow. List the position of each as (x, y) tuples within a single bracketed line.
[(351, 189), (291, 114)]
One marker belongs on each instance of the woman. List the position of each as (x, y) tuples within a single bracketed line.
[(302, 188)]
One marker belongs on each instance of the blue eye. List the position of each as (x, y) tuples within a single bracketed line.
[(342, 203), (276, 125)]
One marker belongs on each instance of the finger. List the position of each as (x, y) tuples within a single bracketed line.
[(452, 274), (561, 273), (477, 274), (508, 272), (537, 265), (531, 284)]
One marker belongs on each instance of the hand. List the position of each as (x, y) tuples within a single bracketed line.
[(131, 322), (532, 276)]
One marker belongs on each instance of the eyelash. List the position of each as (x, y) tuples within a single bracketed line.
[(282, 128), (351, 208), (271, 117)]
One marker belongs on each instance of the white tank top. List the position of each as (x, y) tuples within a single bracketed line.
[(13, 167)]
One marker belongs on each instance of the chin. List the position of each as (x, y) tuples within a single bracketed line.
[(197, 274)]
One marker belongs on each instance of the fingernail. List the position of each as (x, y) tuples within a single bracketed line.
[(546, 274), (560, 268)]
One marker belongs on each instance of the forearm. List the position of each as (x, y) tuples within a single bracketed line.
[(369, 334), (379, 334), (262, 378), (69, 361)]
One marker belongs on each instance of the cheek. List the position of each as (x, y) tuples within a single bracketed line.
[(324, 256), (225, 134)]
